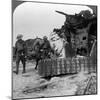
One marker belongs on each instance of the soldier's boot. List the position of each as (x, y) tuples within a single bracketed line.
[(24, 64), (17, 64), (36, 64), (24, 70), (17, 67)]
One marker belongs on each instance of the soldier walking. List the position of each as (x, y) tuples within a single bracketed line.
[(20, 52), (46, 47)]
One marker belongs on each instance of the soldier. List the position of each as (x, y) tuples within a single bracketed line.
[(20, 52), (46, 47)]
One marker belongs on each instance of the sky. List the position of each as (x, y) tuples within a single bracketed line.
[(39, 19)]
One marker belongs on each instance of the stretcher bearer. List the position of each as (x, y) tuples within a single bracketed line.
[(20, 52), (46, 47)]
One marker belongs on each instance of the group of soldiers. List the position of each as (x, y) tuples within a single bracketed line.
[(21, 51)]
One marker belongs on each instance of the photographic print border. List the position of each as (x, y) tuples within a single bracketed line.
[(12, 46)]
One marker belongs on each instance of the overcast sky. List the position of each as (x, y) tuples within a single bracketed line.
[(39, 19)]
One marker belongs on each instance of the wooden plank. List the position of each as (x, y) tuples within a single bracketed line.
[(91, 87)]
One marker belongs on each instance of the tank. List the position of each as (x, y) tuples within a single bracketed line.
[(78, 30)]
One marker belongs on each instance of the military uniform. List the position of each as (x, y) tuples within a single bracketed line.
[(46, 48), (20, 53)]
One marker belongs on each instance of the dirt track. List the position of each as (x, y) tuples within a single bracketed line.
[(31, 85)]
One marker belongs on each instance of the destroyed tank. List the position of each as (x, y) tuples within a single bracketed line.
[(80, 30)]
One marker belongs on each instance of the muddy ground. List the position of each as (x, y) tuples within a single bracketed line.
[(31, 85)]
